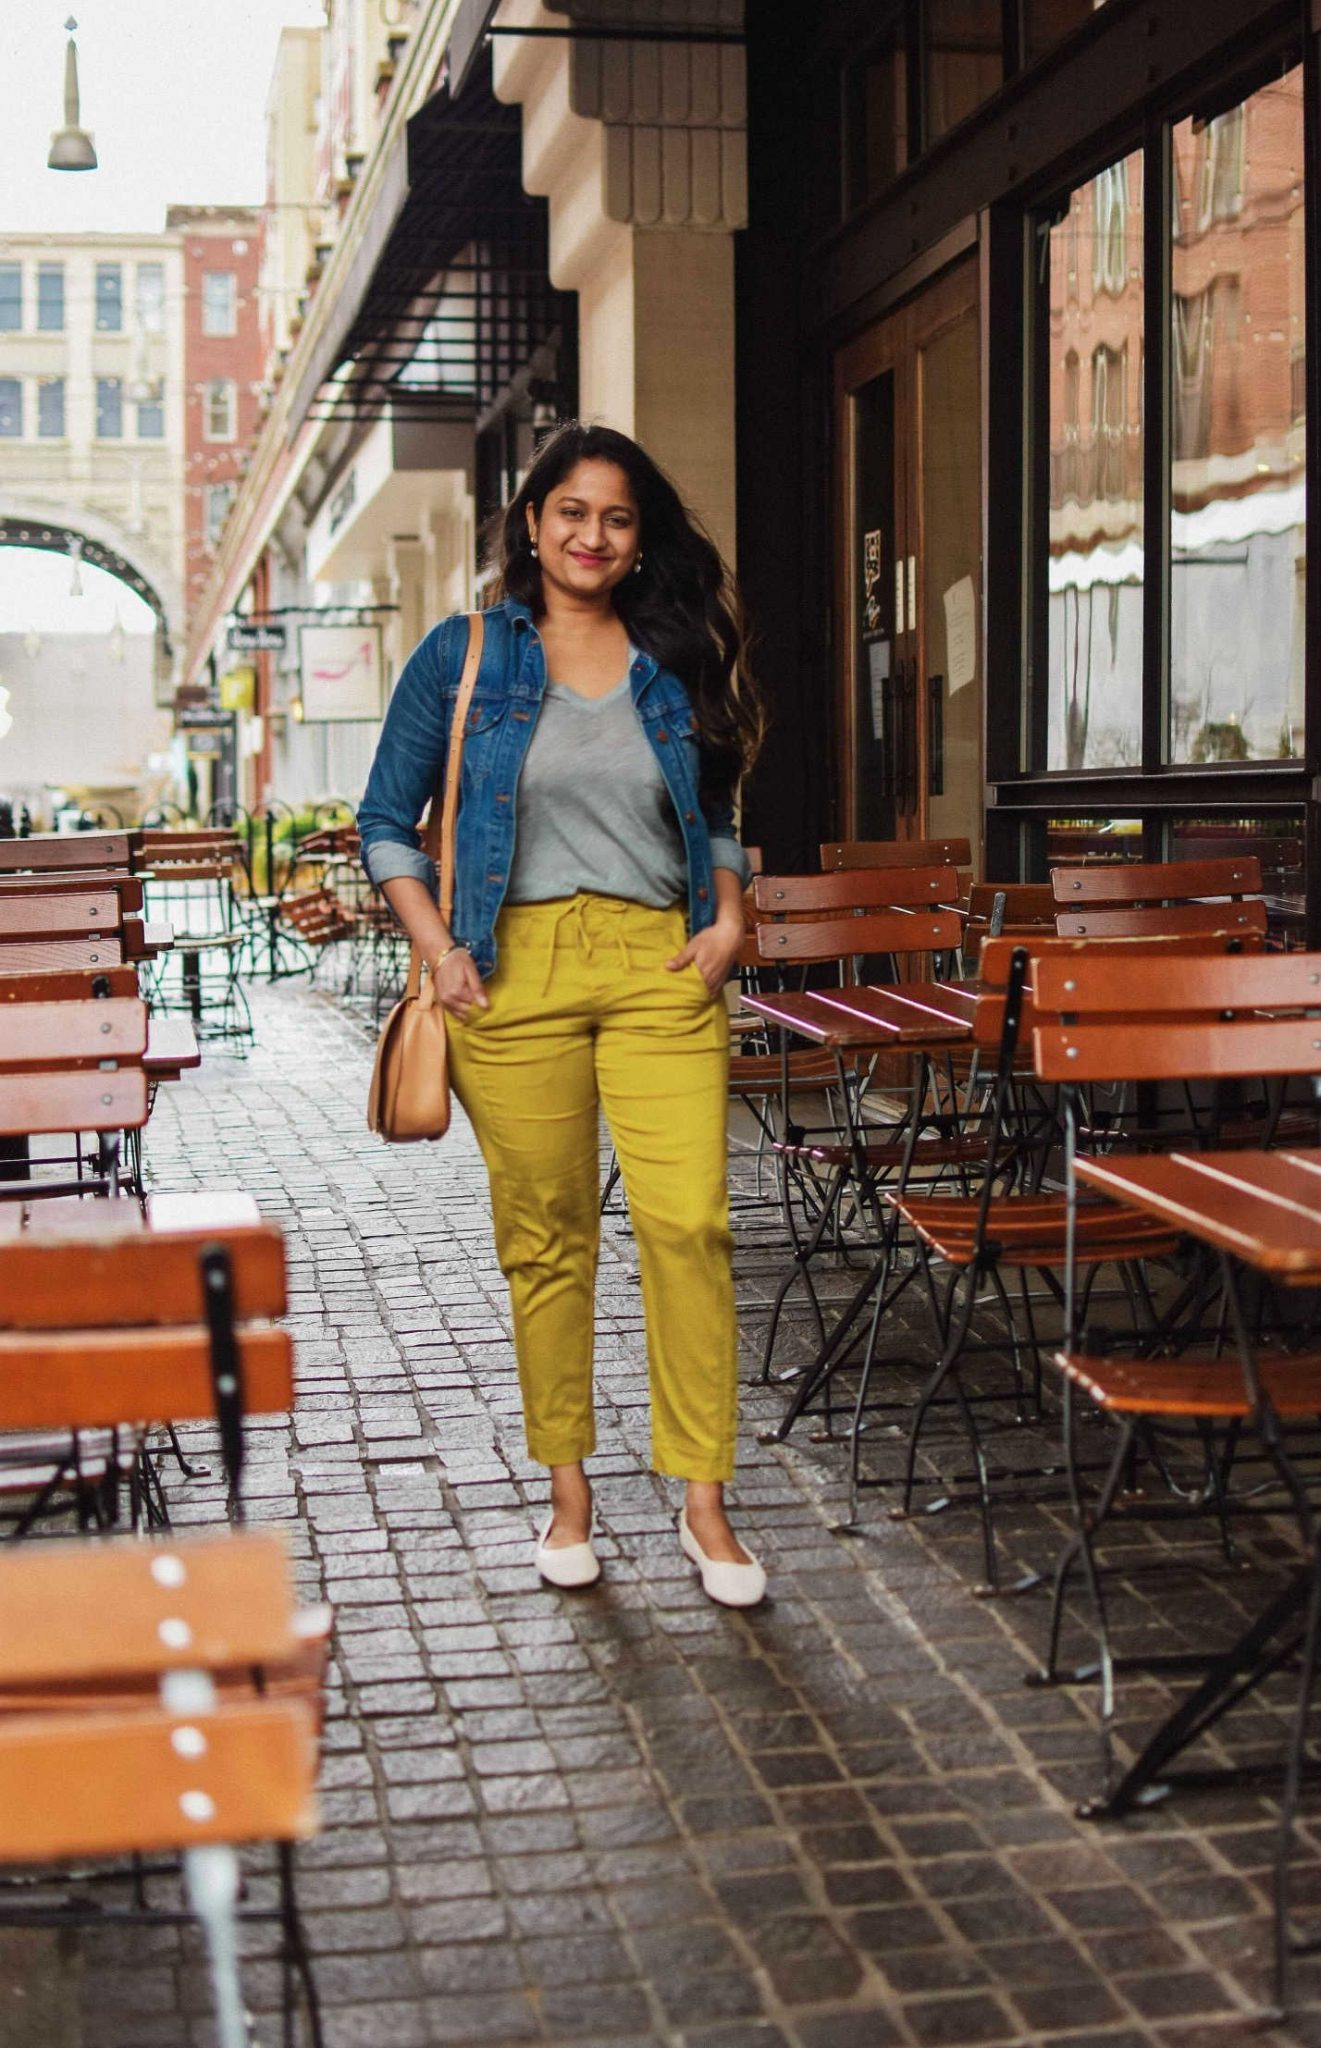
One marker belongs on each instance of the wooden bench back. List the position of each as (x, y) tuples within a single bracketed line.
[(896, 853), (67, 985), (72, 1099), (843, 938), (854, 889), (1025, 903), (99, 1784), (89, 913), (1148, 882), (72, 1034), (66, 850), (78, 1781), (71, 1264), (57, 881), (97, 1610), (997, 954), (1163, 919), (50, 956), (1217, 1019)]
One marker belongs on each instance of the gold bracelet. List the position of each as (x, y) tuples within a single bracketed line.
[(455, 946)]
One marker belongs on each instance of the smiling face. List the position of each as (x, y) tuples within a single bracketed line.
[(588, 535)]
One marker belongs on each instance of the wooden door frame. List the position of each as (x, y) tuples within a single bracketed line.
[(890, 343)]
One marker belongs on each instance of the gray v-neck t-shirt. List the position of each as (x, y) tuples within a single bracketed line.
[(594, 811)]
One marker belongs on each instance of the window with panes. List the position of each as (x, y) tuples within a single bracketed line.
[(109, 408), (109, 288), (50, 409), (219, 302), (50, 298), (220, 404)]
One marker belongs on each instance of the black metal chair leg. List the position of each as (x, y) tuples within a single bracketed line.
[(1293, 1774)]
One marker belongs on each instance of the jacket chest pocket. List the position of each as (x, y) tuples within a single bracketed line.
[(483, 731)]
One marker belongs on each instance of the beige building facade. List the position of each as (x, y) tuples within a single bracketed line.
[(511, 231)]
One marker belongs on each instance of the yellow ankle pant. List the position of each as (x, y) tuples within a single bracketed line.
[(583, 1017)]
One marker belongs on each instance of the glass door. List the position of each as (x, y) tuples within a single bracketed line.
[(908, 417)]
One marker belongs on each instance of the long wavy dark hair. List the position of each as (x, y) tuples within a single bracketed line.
[(682, 608)]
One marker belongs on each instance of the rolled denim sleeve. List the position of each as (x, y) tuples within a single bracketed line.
[(410, 757), (727, 853)]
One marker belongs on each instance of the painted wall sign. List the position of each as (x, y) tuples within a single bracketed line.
[(341, 673)]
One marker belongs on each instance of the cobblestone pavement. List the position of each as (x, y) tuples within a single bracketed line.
[(624, 1817)]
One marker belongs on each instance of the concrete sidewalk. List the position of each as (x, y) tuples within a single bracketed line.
[(624, 1817)]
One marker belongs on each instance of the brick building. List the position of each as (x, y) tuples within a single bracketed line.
[(222, 367)]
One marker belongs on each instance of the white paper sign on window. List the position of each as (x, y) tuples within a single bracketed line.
[(341, 673)]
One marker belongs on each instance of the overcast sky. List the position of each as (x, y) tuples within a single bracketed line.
[(173, 92)]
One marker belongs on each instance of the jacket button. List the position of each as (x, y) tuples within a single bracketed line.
[(690, 817), (661, 733), (701, 895)]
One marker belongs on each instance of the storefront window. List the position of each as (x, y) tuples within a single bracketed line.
[(1095, 566), (1237, 403), (964, 64)]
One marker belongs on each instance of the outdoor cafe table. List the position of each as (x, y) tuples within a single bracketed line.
[(1263, 1210), (920, 1017)]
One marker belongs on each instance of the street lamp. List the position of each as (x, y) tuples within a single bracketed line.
[(71, 147)]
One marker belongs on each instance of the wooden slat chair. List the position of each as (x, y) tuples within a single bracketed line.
[(1139, 898), (126, 1731), (1219, 1018), (172, 1048), (65, 852), (896, 853), (830, 1169), (1006, 909), (72, 1069), (190, 881), (114, 1316), (1012, 1225)]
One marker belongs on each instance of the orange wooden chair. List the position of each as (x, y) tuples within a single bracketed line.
[(1014, 1224), (1220, 1017), (1133, 899), (896, 853), (122, 1735), (116, 1315)]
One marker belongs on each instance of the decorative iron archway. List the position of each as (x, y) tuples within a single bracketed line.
[(17, 532)]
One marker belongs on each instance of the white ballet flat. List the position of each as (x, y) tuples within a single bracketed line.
[(729, 1585), (570, 1564)]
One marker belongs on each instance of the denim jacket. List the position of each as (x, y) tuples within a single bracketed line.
[(511, 683)]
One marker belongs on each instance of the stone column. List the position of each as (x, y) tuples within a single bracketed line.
[(640, 150)]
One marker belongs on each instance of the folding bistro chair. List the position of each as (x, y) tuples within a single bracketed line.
[(1260, 1215), (117, 1316), (1015, 1223), (832, 921), (1135, 899), (146, 1707)]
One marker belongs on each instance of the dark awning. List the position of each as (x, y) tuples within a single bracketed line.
[(448, 297)]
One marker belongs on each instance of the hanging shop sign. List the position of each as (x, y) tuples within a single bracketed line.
[(341, 673), (203, 718), (246, 639), (238, 689)]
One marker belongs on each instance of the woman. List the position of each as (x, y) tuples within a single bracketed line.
[(598, 912)]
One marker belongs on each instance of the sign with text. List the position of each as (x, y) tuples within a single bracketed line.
[(341, 673), (245, 639)]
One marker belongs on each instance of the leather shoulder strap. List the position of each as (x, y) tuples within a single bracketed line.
[(442, 818), (449, 808)]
